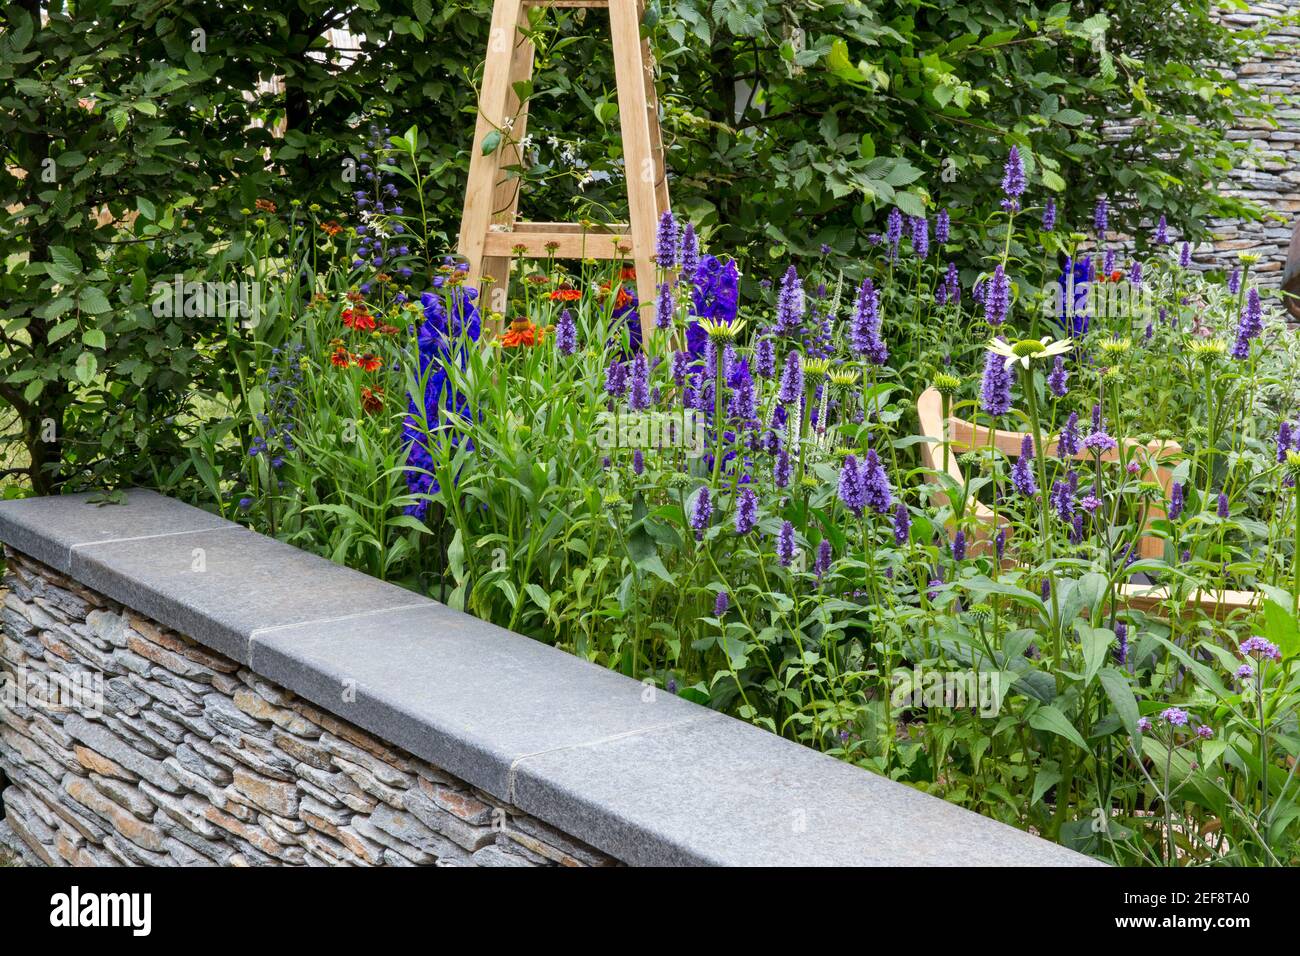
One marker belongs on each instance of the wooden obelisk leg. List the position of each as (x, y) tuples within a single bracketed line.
[(657, 152), (638, 159), (505, 200), (485, 170)]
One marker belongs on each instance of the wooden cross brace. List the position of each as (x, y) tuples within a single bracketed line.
[(490, 235)]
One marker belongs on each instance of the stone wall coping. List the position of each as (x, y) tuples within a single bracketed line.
[(638, 773)]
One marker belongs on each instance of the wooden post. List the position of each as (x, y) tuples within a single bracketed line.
[(490, 233)]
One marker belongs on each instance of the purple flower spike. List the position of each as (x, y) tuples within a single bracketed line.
[(941, 227), (902, 524), (959, 546), (701, 512), (1100, 216), (746, 511), (1013, 176), (851, 489), (791, 380), (1022, 475), (721, 604), (1049, 216), (878, 494), (1058, 379), (1176, 501), (785, 546), (566, 333), (997, 298), (995, 390), (666, 240)]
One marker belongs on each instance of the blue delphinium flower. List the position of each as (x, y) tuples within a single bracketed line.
[(715, 295), (442, 338)]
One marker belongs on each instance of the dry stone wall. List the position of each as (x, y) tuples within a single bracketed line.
[(126, 743)]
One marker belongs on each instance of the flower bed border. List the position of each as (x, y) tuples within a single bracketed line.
[(635, 772), (962, 435)]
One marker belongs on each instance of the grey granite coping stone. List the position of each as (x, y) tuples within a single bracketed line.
[(723, 792), (48, 529), (636, 772), (220, 586), (463, 694)]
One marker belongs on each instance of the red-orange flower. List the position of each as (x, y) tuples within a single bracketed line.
[(628, 274), (622, 299), (387, 329), (341, 358), (264, 205), (355, 296), (331, 228), (369, 362), (372, 400), (521, 332), (358, 319), (566, 294)]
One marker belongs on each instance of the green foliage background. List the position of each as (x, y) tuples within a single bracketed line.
[(789, 125)]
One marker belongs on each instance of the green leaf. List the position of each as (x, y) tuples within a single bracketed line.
[(1096, 645), (61, 331), (1051, 720), (1280, 627), (92, 299), (87, 366), (1120, 691), (540, 597), (94, 338), (491, 141), (146, 208)]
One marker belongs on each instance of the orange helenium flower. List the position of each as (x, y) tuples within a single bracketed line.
[(372, 400), (369, 362), (341, 358), (522, 332)]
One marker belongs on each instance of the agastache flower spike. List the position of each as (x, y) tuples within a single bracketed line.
[(666, 251), (746, 511), (997, 298), (638, 396), (894, 231), (1013, 176), (1185, 255), (1058, 379), (1162, 232), (902, 524), (852, 491), (701, 512), (920, 237), (1049, 216), (664, 307), (1099, 216), (879, 495), (941, 227), (995, 390), (689, 257), (566, 333), (1022, 475), (791, 380), (822, 563), (790, 303), (785, 545), (1176, 500), (1068, 444)]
